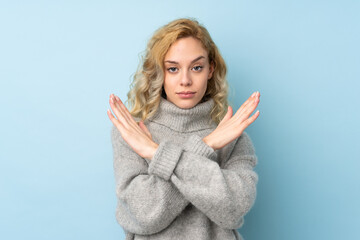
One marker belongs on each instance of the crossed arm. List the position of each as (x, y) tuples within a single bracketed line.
[(140, 140), (151, 196)]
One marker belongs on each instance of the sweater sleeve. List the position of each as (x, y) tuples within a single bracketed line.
[(225, 194), (146, 203)]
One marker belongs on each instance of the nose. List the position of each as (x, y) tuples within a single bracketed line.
[(185, 79)]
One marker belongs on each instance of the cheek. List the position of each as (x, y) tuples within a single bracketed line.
[(166, 80), (168, 77), (205, 86), (169, 84), (204, 79)]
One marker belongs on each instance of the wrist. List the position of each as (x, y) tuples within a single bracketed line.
[(152, 151), (207, 140)]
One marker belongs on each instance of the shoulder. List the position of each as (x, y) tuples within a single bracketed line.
[(244, 144), (115, 134), (116, 139), (242, 148)]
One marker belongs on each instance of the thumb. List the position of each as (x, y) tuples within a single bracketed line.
[(143, 127), (227, 116)]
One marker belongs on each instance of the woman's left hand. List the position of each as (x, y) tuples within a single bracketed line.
[(136, 135)]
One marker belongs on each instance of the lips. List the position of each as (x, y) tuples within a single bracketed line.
[(187, 94)]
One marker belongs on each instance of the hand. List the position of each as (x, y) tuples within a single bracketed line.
[(136, 135), (232, 127)]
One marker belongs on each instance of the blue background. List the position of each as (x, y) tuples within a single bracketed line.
[(60, 61)]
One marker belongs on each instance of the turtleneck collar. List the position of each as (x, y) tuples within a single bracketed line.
[(184, 120)]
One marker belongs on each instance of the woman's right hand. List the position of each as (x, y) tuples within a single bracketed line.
[(232, 127)]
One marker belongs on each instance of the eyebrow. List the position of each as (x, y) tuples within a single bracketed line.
[(196, 59)]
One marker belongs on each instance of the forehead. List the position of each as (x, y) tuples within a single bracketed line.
[(186, 49)]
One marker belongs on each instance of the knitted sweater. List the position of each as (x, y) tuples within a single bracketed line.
[(187, 190)]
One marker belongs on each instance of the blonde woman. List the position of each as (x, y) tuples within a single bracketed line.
[(183, 163)]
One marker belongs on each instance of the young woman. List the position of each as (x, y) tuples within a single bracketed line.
[(183, 163)]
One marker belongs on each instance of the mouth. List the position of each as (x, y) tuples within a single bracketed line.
[(187, 94)]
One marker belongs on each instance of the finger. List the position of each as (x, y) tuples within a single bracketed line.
[(245, 104), (143, 127), (249, 103), (125, 111), (120, 112), (114, 120), (252, 97), (248, 110), (119, 104), (227, 116), (117, 111), (111, 117), (129, 122), (251, 119)]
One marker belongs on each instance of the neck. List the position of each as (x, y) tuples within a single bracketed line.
[(184, 120)]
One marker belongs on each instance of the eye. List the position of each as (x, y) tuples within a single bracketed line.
[(172, 69), (198, 68)]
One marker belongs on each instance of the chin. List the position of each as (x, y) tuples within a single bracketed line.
[(186, 103)]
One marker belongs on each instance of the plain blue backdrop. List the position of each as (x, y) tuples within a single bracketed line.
[(60, 61)]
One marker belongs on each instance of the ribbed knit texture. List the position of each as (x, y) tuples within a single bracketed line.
[(187, 190)]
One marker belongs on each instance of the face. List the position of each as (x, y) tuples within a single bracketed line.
[(187, 71)]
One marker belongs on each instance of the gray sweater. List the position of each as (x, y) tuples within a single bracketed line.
[(187, 190)]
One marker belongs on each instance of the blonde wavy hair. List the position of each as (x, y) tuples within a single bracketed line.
[(146, 88)]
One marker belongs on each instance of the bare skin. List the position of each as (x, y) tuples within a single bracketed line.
[(140, 140), (231, 126), (135, 134)]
